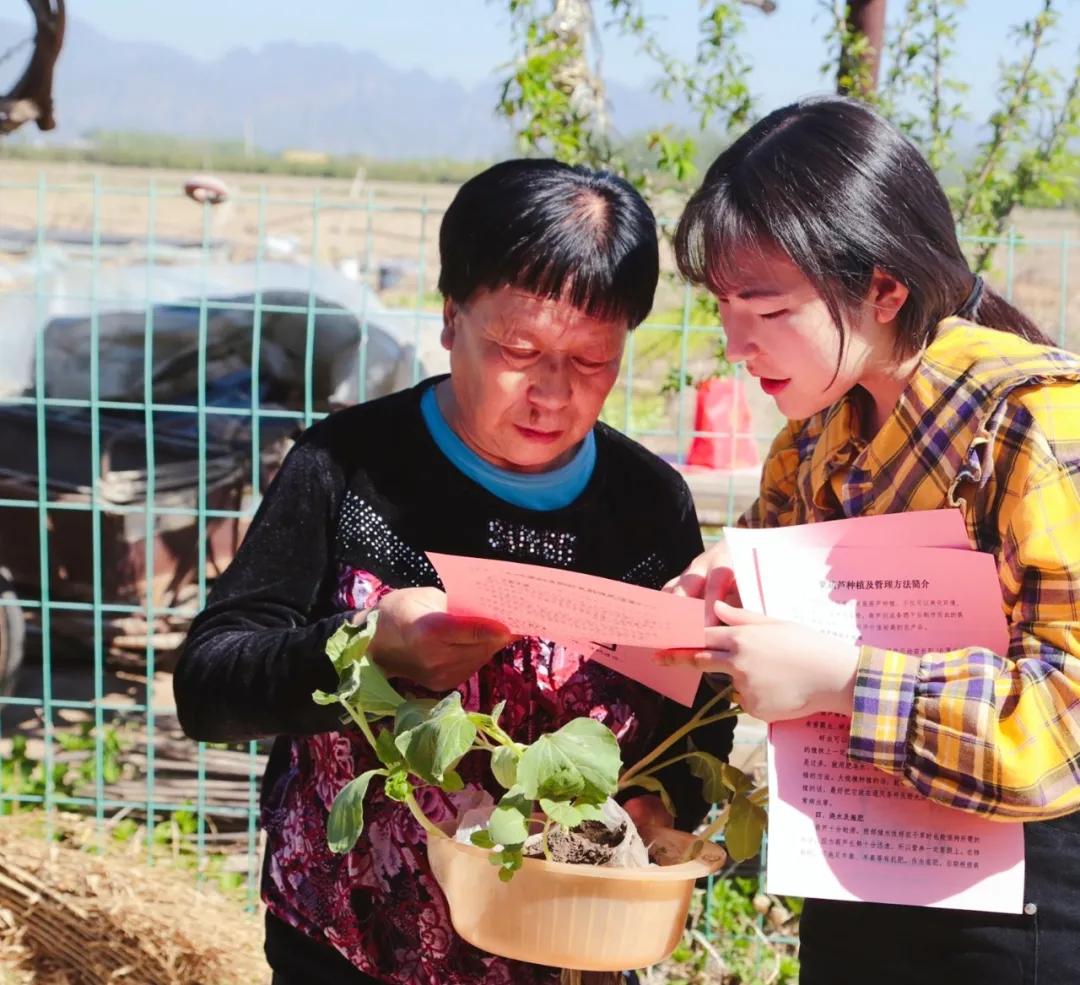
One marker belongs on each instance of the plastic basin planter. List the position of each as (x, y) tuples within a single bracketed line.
[(589, 918)]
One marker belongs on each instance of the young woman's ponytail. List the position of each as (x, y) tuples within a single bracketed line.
[(989, 308)]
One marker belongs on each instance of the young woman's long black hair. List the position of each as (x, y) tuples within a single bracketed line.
[(840, 191)]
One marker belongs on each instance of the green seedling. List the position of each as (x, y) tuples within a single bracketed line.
[(563, 778)]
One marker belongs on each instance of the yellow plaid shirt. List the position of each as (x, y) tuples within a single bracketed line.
[(991, 423)]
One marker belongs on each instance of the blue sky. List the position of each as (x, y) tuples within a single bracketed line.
[(468, 39)]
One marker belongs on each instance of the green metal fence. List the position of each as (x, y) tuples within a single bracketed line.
[(92, 596)]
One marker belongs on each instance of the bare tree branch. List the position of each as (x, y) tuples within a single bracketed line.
[(31, 96)]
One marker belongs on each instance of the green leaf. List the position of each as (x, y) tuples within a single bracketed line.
[(348, 642), (346, 820), (509, 822), (580, 759), (348, 685), (398, 786), (745, 826), (653, 785), (388, 753), (736, 780), (481, 839), (504, 766), (507, 826), (360, 681), (374, 694), (589, 812), (437, 744), (561, 812), (511, 859), (544, 772), (452, 781), (710, 770), (412, 712), (488, 723)]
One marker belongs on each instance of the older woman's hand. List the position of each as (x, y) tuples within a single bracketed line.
[(418, 639), (779, 670)]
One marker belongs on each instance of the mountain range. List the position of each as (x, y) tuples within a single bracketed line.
[(325, 97)]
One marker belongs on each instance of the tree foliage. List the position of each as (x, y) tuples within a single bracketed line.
[(555, 96), (554, 92)]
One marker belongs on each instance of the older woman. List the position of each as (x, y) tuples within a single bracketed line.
[(545, 269)]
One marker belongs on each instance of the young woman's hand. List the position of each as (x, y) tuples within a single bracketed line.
[(418, 639), (709, 576), (779, 670)]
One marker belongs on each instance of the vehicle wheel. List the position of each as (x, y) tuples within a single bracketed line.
[(12, 635)]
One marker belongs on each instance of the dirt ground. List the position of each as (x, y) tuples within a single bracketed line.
[(355, 226)]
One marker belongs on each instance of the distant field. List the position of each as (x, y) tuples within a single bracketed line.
[(336, 221)]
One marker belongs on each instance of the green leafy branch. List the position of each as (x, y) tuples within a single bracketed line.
[(917, 93), (714, 84), (853, 58), (1029, 153), (554, 98), (1019, 158)]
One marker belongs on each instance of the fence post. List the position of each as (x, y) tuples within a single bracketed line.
[(149, 514)]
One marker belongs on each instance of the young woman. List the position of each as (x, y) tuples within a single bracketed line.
[(545, 269), (909, 385)]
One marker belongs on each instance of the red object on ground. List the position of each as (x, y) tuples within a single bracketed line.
[(206, 188), (723, 411)]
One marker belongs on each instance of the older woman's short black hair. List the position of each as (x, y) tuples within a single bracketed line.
[(556, 231)]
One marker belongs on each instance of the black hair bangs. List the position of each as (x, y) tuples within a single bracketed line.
[(585, 260), (716, 241), (737, 222), (566, 233)]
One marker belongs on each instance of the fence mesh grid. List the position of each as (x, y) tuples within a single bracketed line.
[(98, 578)]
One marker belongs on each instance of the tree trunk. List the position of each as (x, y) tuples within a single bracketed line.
[(857, 74), (30, 97)]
